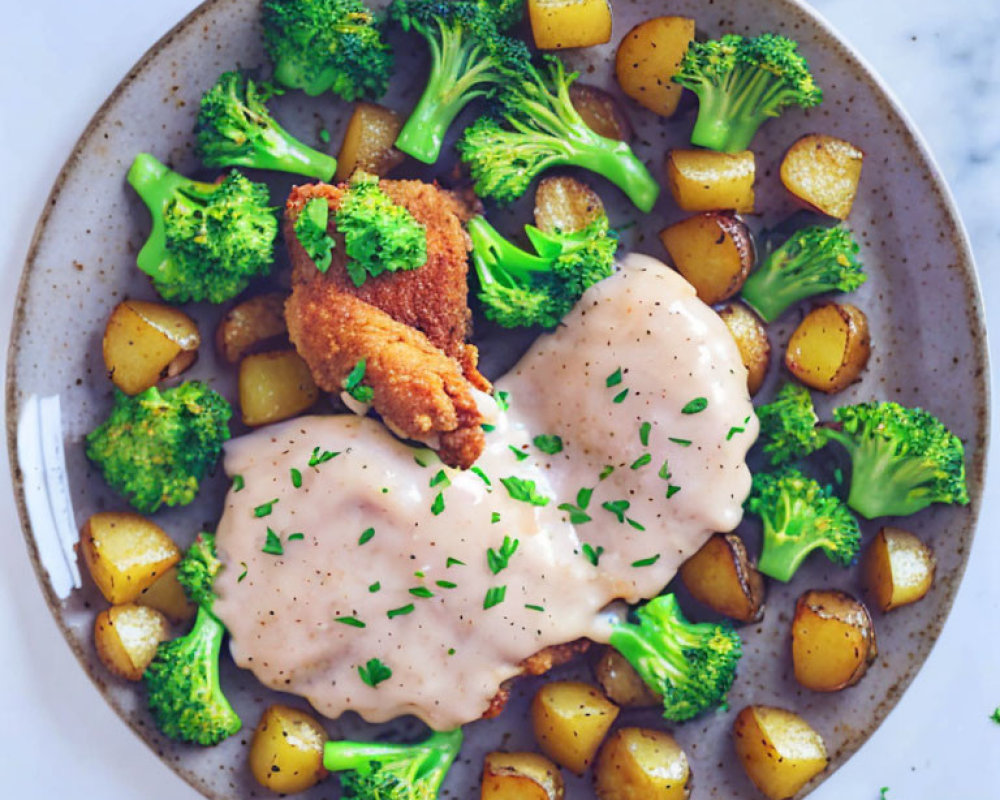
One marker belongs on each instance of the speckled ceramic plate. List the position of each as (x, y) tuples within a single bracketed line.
[(921, 300)]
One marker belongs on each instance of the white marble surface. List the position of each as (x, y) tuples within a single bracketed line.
[(59, 61)]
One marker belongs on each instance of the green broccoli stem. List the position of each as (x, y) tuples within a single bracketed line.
[(782, 555), (653, 658), (730, 115), (773, 287), (619, 164), (427, 761), (498, 261), (282, 152)]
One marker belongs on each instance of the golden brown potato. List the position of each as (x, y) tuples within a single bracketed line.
[(558, 24), (751, 339), (703, 180), (167, 596), (570, 720), (601, 111), (249, 324), (144, 342), (565, 204), (830, 347), (713, 251), (520, 776), (779, 750), (369, 142), (649, 56), (275, 386), (823, 172), (641, 764), (721, 576), (126, 637), (621, 683), (286, 752), (833, 640), (898, 569), (125, 553)]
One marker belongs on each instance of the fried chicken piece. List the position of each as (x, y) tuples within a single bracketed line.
[(538, 664)]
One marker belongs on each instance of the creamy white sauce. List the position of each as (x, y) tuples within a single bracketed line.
[(449, 655)]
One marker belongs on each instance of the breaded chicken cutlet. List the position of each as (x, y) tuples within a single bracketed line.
[(410, 326)]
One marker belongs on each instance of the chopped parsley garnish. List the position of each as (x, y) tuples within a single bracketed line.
[(354, 622), (421, 591), (402, 611), (438, 505), (617, 507), (593, 554), (453, 562), (620, 397), (352, 383), (440, 477), (577, 513), (451, 651), (494, 596), (614, 378), (672, 490), (646, 562), (681, 442), (375, 587), (641, 461), (548, 443), (695, 406), (295, 537), (243, 574), (644, 430), (238, 483), (374, 672), (446, 584), (583, 497), (635, 524), (296, 477), (310, 230), (607, 470), (664, 472), (518, 452), (995, 716), (737, 429), (264, 509), (321, 456), (883, 793), (524, 490), (532, 607), (273, 544), (498, 559), (488, 428), (366, 536), (503, 400), (481, 475), (324, 136), (494, 517), (424, 457)]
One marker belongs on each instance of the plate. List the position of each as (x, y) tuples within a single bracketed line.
[(921, 300)]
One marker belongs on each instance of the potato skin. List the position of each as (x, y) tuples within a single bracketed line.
[(369, 142), (520, 776), (823, 172), (648, 56), (558, 24), (713, 251), (601, 111), (751, 340), (704, 180), (125, 553), (126, 637), (143, 342), (898, 569), (642, 764), (621, 683), (286, 752), (830, 347), (570, 720), (833, 641), (275, 386), (779, 750), (566, 204), (249, 324), (721, 576)]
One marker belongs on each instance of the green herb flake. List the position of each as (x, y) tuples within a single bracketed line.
[(672, 490), (995, 716), (321, 456), (375, 587), (548, 443), (883, 793), (618, 508), (238, 483), (440, 477), (352, 383), (524, 490), (681, 442), (354, 622), (605, 472), (644, 430), (481, 475), (264, 509), (646, 562), (635, 524), (488, 428), (438, 505), (453, 562), (518, 452), (620, 397), (296, 477), (424, 457), (366, 536), (695, 406), (614, 378), (583, 497), (402, 611), (273, 544), (532, 607), (310, 229), (243, 574), (446, 584), (374, 672), (838, 476), (593, 554), (497, 560), (296, 537), (503, 400), (641, 461), (577, 516), (494, 517), (735, 430), (324, 136), (494, 596), (421, 591), (451, 651), (664, 472)]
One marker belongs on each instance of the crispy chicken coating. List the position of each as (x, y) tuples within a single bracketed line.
[(538, 664)]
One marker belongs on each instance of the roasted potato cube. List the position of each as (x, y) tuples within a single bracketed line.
[(823, 172), (898, 569), (126, 637), (649, 56), (369, 142), (601, 111), (779, 750), (721, 576), (286, 752), (558, 24), (703, 180), (167, 596), (713, 251), (621, 683), (125, 553), (830, 347), (641, 764), (275, 386), (833, 640), (520, 776), (751, 340), (249, 324), (144, 342), (566, 204), (570, 720)]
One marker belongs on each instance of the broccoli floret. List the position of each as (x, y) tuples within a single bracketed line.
[(235, 128), (182, 681), (812, 261), (467, 49), (800, 516), (691, 665), (375, 771), (154, 448), (544, 130), (518, 288), (320, 45), (741, 83), (207, 239), (788, 426), (902, 459)]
